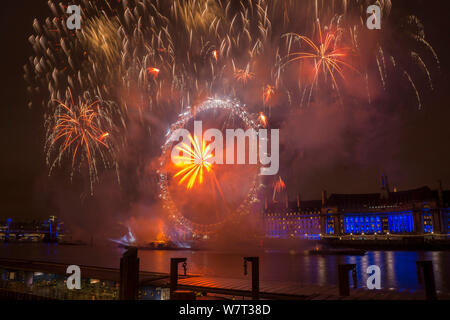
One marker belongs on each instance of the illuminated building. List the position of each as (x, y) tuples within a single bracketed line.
[(48, 230), (300, 219), (417, 212)]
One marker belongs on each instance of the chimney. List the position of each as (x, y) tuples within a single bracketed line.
[(265, 203), (324, 198), (298, 201), (287, 201)]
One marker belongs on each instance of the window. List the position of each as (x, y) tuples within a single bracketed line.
[(362, 224), (427, 220)]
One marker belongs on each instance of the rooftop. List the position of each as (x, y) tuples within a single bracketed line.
[(365, 200)]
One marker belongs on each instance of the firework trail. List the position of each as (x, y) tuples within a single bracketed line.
[(243, 75), (152, 59), (80, 130), (262, 119), (400, 53), (278, 187), (328, 58)]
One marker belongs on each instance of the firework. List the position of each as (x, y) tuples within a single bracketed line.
[(328, 58), (243, 75), (263, 119), (278, 186), (215, 54), (394, 65), (268, 93), (78, 130), (101, 41), (154, 71), (196, 167), (196, 44), (152, 59), (195, 163)]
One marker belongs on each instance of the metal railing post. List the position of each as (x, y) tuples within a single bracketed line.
[(255, 275), (174, 273), (344, 281), (425, 275), (129, 275)]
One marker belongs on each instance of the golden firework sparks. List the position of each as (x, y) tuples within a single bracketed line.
[(215, 54), (263, 119), (193, 165), (104, 136), (153, 71), (269, 91), (194, 42), (243, 75), (327, 57), (79, 130)]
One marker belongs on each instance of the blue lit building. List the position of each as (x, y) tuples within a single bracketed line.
[(48, 230), (417, 212)]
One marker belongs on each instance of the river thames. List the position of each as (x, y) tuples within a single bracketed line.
[(398, 268)]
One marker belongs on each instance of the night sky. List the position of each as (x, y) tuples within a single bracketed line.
[(422, 140)]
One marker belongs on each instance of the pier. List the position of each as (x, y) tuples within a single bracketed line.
[(104, 283)]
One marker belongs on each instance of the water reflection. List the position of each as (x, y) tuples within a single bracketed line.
[(322, 280), (398, 268)]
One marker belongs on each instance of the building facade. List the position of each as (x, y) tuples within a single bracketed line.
[(286, 220), (417, 212)]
